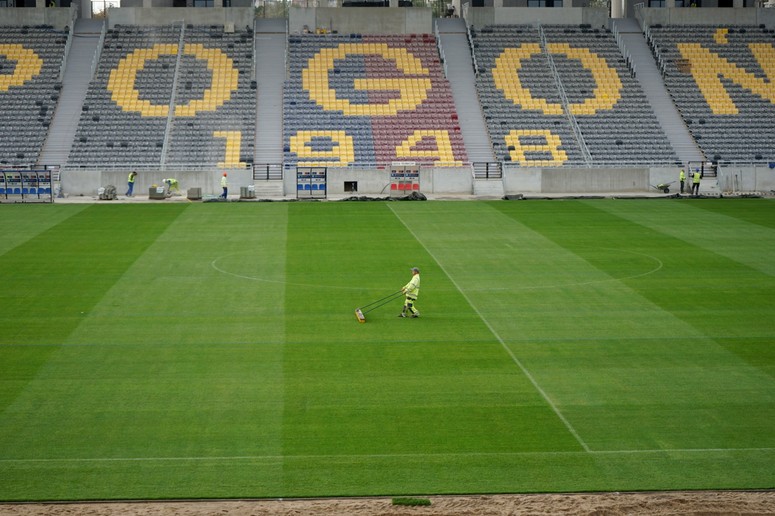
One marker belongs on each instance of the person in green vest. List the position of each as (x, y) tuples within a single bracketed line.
[(696, 182), (411, 290), (682, 179), (172, 185), (131, 183)]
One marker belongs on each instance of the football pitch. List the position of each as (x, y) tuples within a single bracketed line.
[(185, 351)]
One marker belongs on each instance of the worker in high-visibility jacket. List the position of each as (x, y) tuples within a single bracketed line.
[(172, 185), (411, 290), (682, 179), (696, 177), (130, 183)]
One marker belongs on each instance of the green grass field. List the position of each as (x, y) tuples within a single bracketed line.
[(211, 351)]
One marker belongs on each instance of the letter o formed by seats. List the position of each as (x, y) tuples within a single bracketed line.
[(121, 82), (413, 90), (28, 66), (607, 90)]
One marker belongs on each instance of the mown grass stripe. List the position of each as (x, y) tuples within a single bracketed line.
[(53, 280), (508, 350)]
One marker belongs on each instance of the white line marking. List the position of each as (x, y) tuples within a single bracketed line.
[(497, 336), (583, 283), (214, 265)]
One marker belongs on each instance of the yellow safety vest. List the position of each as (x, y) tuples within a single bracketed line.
[(412, 288)]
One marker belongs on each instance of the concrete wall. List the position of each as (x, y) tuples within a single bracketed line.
[(376, 182), (362, 20), (370, 182), (241, 17), (57, 17), (439, 181), (593, 180), (707, 16), (521, 180), (482, 16), (518, 180), (88, 182), (746, 179)]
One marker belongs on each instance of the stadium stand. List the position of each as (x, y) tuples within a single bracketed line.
[(564, 98), (612, 111), (720, 78), (368, 99), (222, 134), (169, 93), (30, 62), (516, 89), (124, 116)]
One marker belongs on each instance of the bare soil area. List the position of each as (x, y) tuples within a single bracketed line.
[(705, 503)]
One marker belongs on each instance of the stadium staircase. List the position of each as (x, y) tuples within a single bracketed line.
[(647, 73), (270, 50), (78, 73), (453, 37)]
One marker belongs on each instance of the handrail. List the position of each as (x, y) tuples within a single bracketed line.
[(564, 97), (623, 49), (69, 42), (442, 57), (471, 48), (655, 49), (199, 167), (98, 54), (171, 110)]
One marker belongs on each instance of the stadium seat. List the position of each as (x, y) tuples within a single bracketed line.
[(133, 92), (407, 92), (717, 112)]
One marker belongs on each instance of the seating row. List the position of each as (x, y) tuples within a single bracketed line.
[(719, 78), (368, 99), (570, 87), (30, 62), (154, 99)]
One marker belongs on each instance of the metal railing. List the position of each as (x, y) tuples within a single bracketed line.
[(442, 57), (173, 96), (623, 50), (98, 53), (471, 50), (487, 170), (273, 171), (564, 97), (69, 42), (267, 171)]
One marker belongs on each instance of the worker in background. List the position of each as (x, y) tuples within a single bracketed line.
[(172, 185), (696, 182), (225, 186), (682, 179), (130, 181)]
